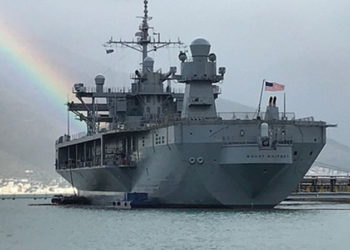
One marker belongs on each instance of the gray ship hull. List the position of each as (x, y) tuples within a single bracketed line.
[(217, 178)]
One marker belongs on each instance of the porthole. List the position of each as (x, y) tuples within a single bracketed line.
[(191, 160), (200, 160), (311, 153)]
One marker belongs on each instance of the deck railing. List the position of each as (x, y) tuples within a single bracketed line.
[(123, 90), (225, 116), (253, 115)]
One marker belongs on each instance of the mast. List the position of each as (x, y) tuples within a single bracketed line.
[(143, 39)]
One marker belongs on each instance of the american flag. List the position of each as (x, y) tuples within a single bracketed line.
[(273, 86)]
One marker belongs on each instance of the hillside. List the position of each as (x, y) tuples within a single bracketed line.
[(334, 156)]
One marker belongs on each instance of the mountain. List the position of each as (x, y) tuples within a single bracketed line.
[(27, 136), (334, 156), (224, 105), (31, 121)]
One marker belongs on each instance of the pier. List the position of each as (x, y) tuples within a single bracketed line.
[(312, 188), (322, 184)]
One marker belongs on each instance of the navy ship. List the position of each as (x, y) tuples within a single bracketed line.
[(150, 146)]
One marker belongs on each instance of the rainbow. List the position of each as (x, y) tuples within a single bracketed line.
[(53, 85)]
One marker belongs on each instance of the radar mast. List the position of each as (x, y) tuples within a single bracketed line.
[(144, 40)]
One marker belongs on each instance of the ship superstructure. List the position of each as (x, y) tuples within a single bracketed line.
[(152, 146)]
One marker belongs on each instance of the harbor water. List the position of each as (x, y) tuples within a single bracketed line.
[(289, 226)]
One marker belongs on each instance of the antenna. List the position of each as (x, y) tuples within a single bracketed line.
[(284, 106), (143, 39), (68, 116)]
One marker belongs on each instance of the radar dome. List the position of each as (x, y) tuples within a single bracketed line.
[(200, 47), (99, 80), (148, 62)]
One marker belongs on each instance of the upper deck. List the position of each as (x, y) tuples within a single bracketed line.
[(222, 118)]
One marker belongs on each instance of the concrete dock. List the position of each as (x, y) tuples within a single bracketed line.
[(311, 188)]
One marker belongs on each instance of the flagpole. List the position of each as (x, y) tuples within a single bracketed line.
[(261, 93), (284, 105), (68, 118)]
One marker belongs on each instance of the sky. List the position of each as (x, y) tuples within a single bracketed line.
[(303, 44)]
